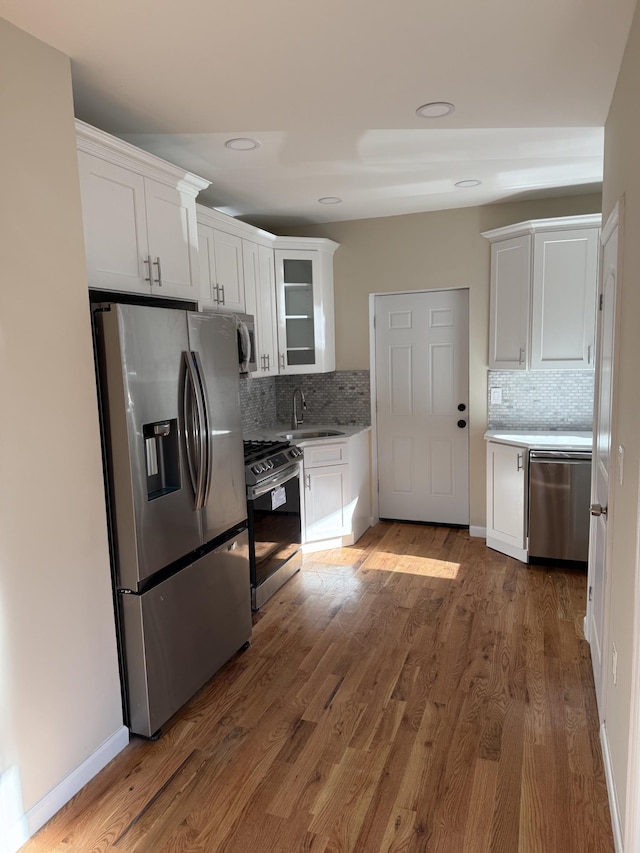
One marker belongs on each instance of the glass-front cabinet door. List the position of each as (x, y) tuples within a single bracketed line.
[(306, 337)]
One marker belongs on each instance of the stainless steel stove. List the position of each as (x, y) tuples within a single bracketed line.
[(273, 475), (262, 459)]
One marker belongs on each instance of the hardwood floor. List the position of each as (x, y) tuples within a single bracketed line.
[(415, 692)]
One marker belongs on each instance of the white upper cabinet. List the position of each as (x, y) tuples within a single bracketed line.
[(221, 270), (565, 277), (259, 290), (139, 218), (543, 294), (510, 299), (305, 306)]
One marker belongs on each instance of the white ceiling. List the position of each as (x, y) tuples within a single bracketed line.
[(330, 90)]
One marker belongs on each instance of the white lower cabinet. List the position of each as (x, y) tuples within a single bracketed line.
[(337, 491), (506, 499)]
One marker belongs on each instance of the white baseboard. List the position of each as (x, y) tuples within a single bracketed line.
[(613, 799), (479, 532), (37, 816)]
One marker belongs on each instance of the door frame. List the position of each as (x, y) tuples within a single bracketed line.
[(615, 219), (375, 506)]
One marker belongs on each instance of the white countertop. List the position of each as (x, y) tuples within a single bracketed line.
[(276, 432), (544, 439)]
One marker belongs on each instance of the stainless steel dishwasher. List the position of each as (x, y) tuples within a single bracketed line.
[(559, 495)]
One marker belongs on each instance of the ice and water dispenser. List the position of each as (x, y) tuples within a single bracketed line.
[(161, 457)]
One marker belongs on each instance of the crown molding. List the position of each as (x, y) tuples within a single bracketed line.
[(93, 141), (537, 226)]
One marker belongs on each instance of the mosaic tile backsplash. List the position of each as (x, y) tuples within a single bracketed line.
[(257, 403), (342, 397), (542, 399)]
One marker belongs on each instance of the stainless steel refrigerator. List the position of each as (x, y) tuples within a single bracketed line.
[(173, 448)]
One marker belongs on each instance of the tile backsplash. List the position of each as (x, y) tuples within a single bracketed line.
[(542, 399), (342, 397), (258, 403)]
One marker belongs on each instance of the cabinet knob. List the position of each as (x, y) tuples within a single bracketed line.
[(462, 424), (461, 407)]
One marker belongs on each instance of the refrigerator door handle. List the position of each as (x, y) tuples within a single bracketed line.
[(206, 457), (193, 429)]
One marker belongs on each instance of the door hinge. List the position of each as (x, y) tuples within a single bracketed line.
[(601, 303), (590, 593)]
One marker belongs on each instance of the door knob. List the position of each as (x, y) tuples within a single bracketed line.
[(596, 509), (462, 424)]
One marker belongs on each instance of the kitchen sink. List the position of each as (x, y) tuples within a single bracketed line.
[(309, 433)]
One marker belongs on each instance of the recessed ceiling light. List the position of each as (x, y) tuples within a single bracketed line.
[(330, 199), (242, 143), (435, 109), (470, 183)]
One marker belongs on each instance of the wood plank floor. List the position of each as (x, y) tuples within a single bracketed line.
[(416, 692)]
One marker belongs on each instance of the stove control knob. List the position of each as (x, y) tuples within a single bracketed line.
[(255, 469), (269, 464)]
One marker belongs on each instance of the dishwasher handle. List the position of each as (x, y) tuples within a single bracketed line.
[(563, 456)]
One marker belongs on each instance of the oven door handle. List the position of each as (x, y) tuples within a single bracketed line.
[(278, 479)]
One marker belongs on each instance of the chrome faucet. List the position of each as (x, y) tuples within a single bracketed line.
[(296, 419)]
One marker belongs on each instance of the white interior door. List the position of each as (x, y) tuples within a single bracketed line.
[(602, 454), (422, 389)]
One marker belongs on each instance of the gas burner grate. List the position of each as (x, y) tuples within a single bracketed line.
[(254, 451)]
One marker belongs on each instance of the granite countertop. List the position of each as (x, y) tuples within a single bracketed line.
[(274, 433), (543, 439)]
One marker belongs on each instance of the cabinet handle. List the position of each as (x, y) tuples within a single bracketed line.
[(519, 462), (222, 289), (156, 263), (282, 360), (308, 481), (589, 354), (521, 359), (267, 359), (147, 261)]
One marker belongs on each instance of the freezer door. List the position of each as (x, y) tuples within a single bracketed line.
[(142, 382), (213, 338), (178, 634)]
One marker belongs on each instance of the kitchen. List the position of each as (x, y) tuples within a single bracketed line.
[(76, 652)]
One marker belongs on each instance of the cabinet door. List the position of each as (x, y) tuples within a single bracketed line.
[(266, 328), (565, 273), (510, 296), (229, 270), (506, 480), (306, 336), (115, 230), (327, 512), (173, 242), (259, 297), (206, 266)]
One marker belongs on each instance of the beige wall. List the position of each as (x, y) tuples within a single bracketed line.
[(58, 667), (622, 177), (428, 251)]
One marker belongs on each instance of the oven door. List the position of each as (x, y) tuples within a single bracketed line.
[(275, 523)]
